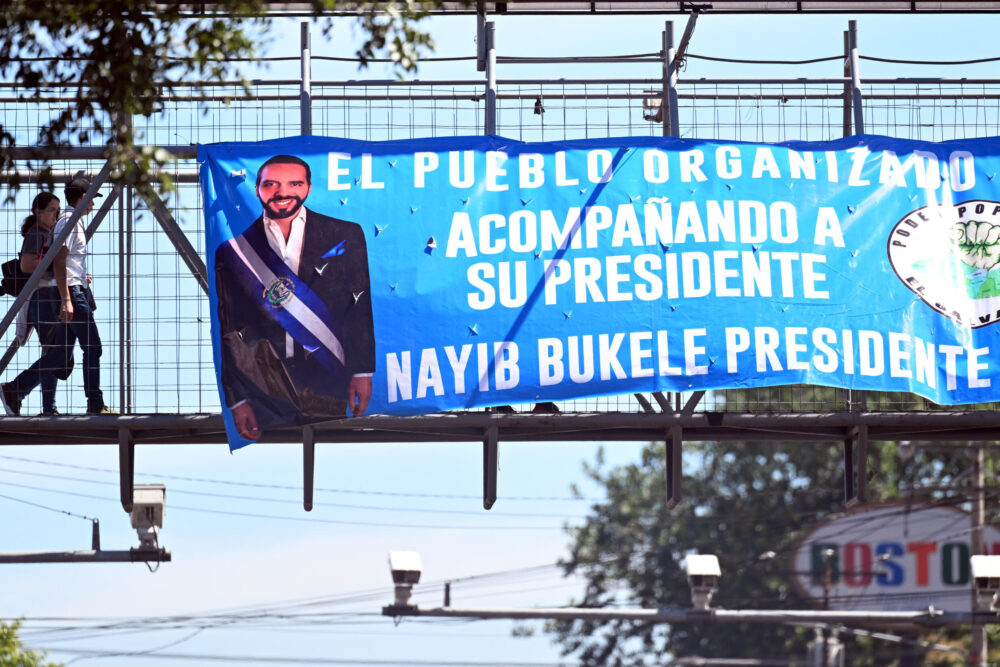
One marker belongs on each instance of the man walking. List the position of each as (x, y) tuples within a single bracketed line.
[(76, 312)]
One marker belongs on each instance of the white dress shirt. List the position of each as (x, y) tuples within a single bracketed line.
[(290, 251)]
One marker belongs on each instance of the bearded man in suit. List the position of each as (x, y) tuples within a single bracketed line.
[(295, 312)]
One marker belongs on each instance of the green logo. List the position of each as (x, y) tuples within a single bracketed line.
[(949, 256)]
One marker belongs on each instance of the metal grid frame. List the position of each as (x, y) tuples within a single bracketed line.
[(154, 319)]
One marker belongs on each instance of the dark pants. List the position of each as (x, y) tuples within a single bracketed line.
[(81, 329), (43, 315)]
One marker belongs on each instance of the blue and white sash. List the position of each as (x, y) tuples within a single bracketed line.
[(292, 304)]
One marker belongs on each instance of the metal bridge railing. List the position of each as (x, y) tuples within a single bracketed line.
[(154, 318)]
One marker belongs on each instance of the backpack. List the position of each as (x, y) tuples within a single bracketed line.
[(14, 279)]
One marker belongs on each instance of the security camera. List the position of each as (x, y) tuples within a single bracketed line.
[(703, 574), (148, 502), (406, 568), (147, 505), (986, 581)]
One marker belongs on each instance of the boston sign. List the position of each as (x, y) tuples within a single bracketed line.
[(891, 557)]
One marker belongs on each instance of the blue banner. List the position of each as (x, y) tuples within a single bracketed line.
[(415, 276)]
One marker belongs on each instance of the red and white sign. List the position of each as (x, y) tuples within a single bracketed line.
[(892, 557)]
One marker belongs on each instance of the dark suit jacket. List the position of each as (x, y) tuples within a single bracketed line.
[(254, 363)]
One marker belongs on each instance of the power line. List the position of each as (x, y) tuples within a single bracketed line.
[(253, 515), (930, 62), (746, 61), (46, 507), (297, 488), (298, 502), (145, 652)]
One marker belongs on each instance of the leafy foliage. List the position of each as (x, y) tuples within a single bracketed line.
[(742, 500), (13, 654), (122, 55)]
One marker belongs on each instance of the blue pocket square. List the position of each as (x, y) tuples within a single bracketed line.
[(336, 250)]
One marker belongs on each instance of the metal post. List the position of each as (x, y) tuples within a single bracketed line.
[(847, 86), (686, 37), (674, 465), (122, 280), (491, 80), (827, 583), (978, 649), (671, 123), (126, 467), (480, 35), (852, 95), (305, 89), (491, 461), (859, 121), (308, 466), (129, 373)]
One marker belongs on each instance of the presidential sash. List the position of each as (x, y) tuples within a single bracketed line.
[(291, 302)]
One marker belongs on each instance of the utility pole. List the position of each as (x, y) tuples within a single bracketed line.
[(827, 584), (978, 651)]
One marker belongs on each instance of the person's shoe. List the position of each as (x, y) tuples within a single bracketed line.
[(11, 401), (49, 413), (103, 410)]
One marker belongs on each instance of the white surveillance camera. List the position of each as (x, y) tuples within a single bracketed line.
[(406, 568), (147, 513), (703, 573), (986, 581), (148, 501)]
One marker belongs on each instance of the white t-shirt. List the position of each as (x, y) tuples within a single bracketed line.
[(76, 243)]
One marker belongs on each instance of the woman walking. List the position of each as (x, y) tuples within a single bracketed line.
[(43, 307)]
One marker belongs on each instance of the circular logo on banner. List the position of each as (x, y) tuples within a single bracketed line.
[(949, 256), (279, 292)]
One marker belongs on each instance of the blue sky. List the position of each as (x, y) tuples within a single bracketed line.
[(249, 563)]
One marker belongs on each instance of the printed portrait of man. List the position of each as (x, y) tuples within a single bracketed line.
[(295, 312)]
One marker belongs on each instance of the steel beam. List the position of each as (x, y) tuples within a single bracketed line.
[(642, 400), (183, 152), (126, 467), (662, 401), (859, 119), (856, 465), (671, 117), (102, 212), (674, 467), (490, 121), (915, 619), (692, 403), (480, 35), (129, 556), (686, 37), (491, 462), (941, 427), (308, 466), (305, 86)]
